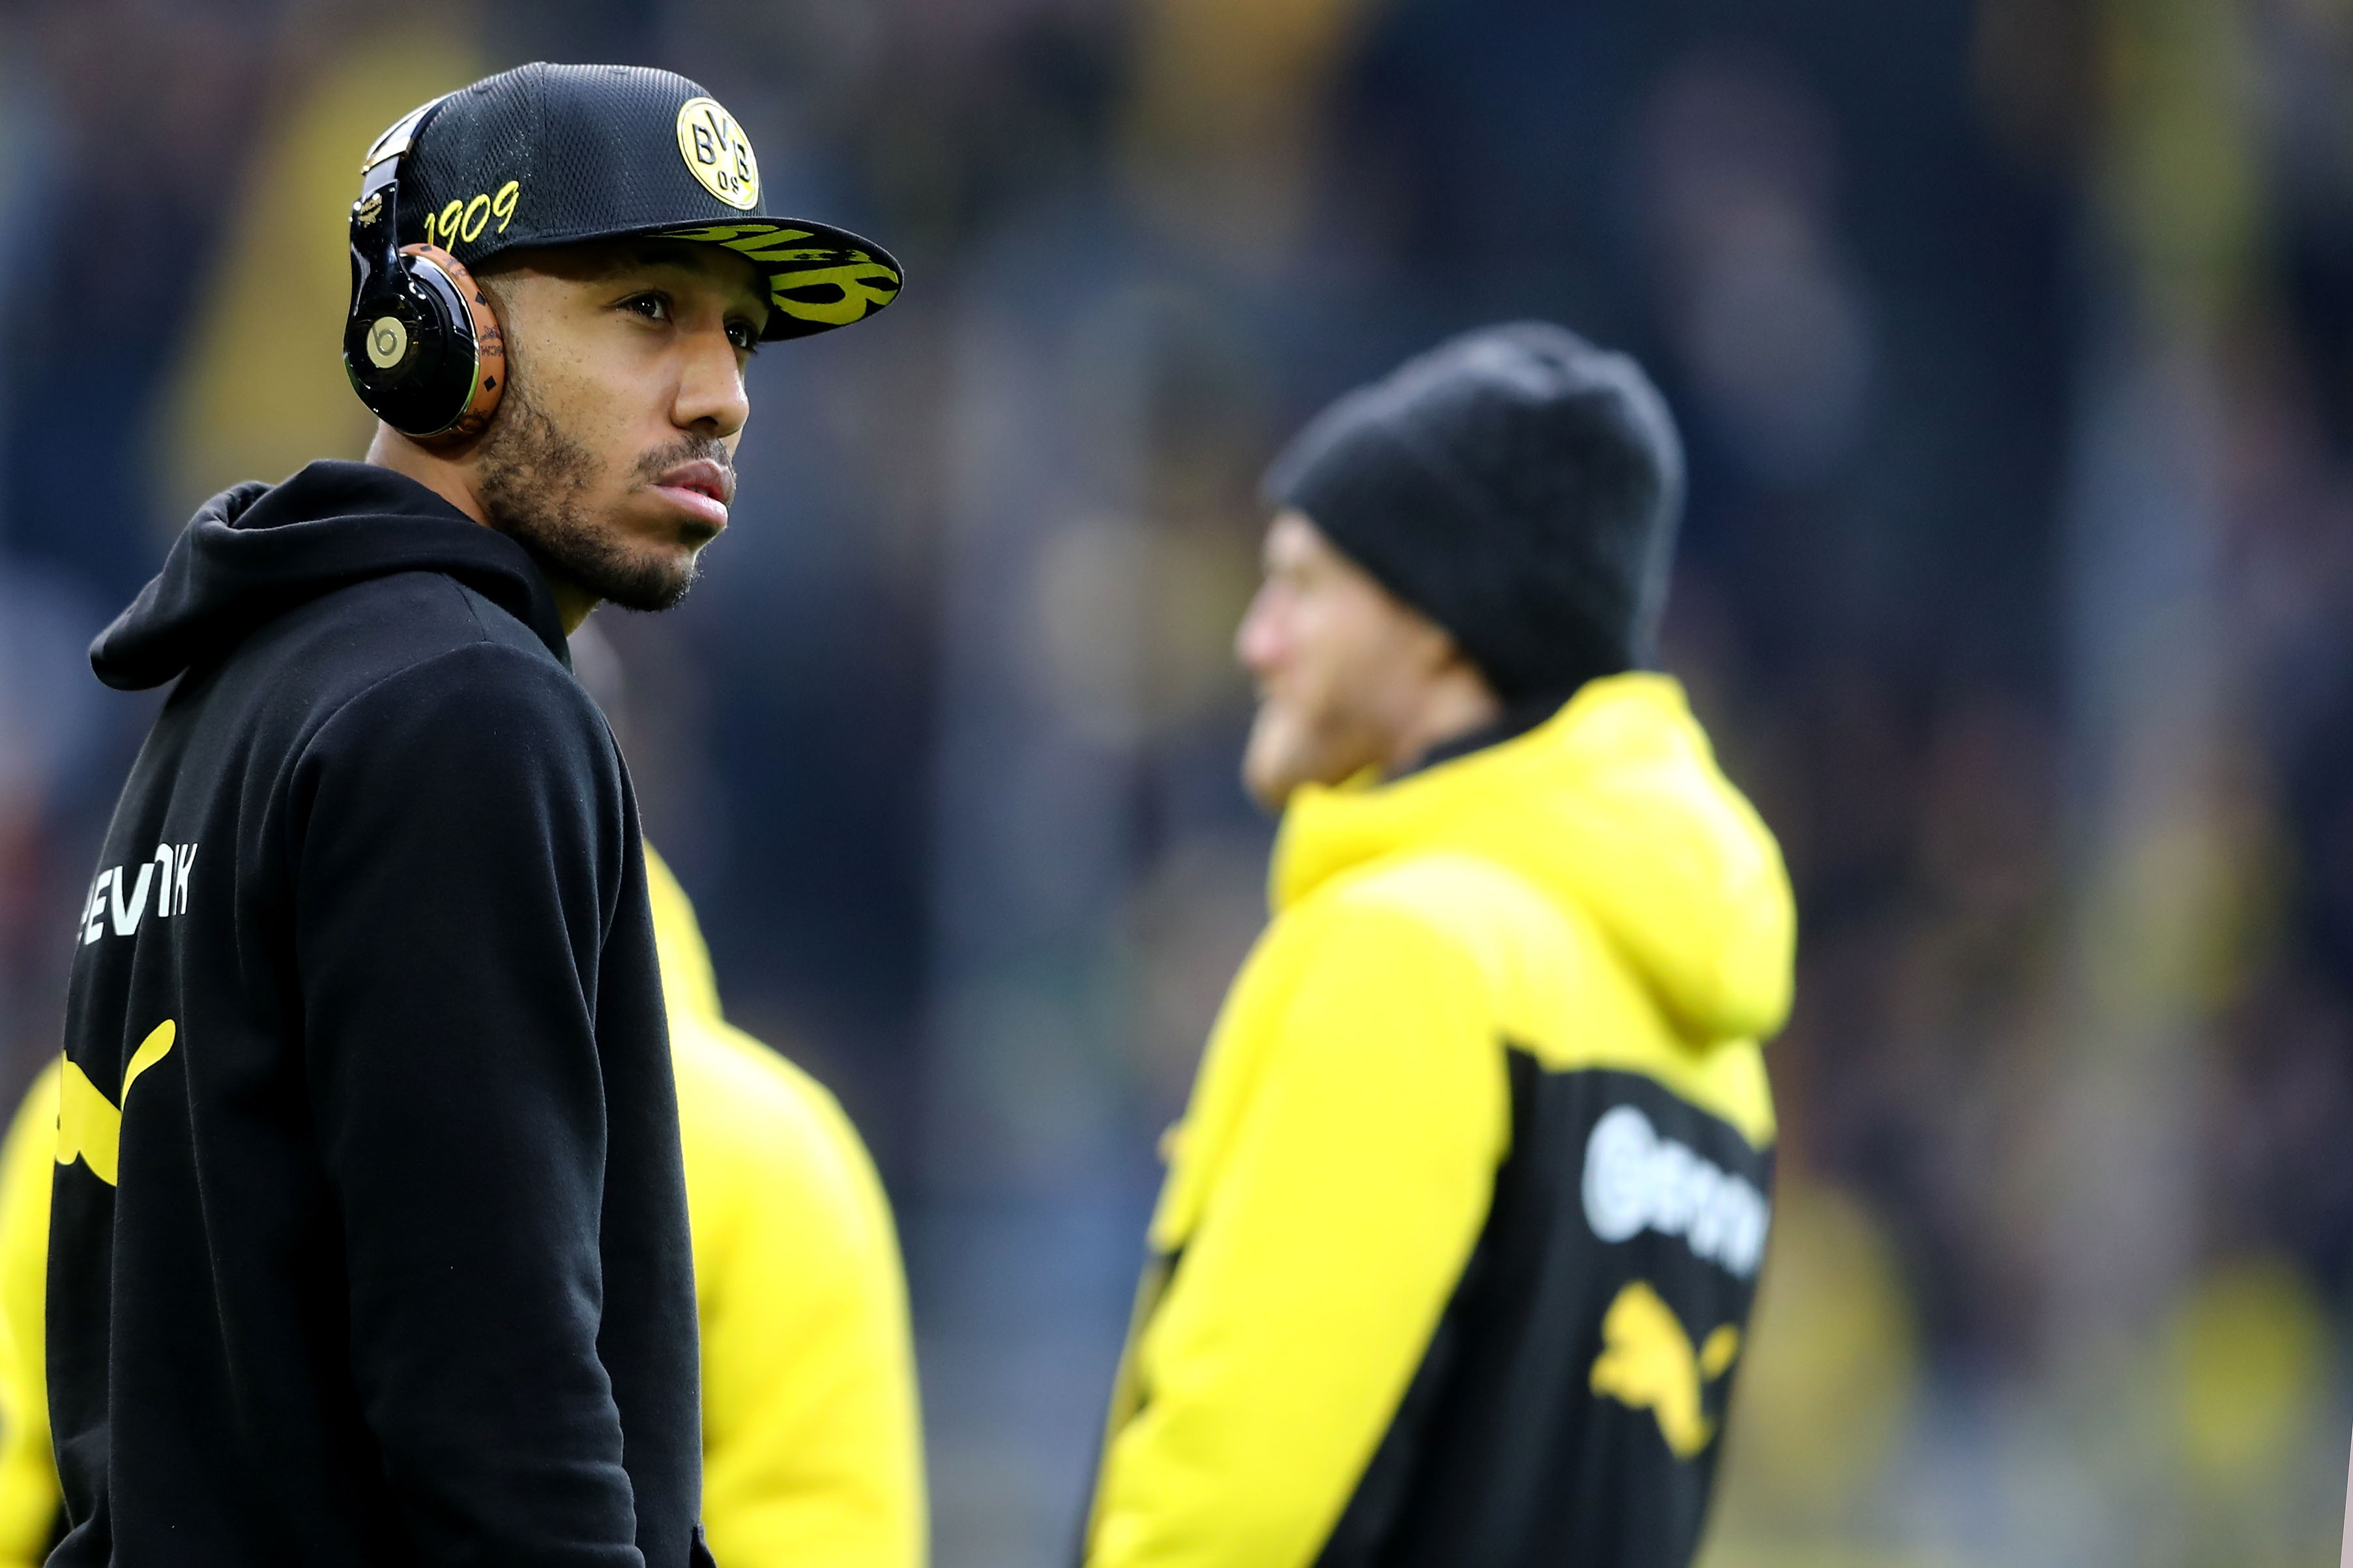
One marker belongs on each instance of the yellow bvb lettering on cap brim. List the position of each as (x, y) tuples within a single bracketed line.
[(748, 238), (859, 293), (89, 1126), (866, 284)]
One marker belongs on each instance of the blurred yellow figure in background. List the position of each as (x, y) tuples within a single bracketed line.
[(812, 1450), (1462, 1223)]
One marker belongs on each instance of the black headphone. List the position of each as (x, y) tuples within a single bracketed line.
[(422, 345)]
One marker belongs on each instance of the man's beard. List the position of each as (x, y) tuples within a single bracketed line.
[(534, 479)]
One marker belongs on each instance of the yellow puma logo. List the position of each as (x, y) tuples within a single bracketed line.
[(1647, 1363), (89, 1126)]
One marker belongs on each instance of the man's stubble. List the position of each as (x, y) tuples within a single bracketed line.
[(535, 479)]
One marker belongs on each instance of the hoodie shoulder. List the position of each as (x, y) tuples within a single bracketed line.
[(400, 639), (378, 669), (1547, 973), (1614, 808), (355, 636), (453, 732), (1553, 979)]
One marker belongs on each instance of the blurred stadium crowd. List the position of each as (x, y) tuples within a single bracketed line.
[(2013, 340)]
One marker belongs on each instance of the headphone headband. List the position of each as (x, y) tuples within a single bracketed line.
[(422, 345), (397, 140)]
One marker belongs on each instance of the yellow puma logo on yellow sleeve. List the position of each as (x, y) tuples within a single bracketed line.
[(1647, 1363), (88, 1125)]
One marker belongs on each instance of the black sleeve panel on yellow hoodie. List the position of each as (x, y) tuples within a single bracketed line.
[(1566, 1408)]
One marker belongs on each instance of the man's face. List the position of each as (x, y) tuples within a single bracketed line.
[(612, 456), (1342, 666)]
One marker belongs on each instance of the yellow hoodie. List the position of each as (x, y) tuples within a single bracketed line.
[(812, 1450), (1462, 1227)]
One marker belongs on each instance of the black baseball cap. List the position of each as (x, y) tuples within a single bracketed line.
[(548, 155)]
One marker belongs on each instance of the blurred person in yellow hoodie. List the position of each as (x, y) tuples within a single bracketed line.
[(1462, 1227), (812, 1448)]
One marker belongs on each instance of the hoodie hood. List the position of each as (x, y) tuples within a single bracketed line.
[(254, 551), (1615, 806)]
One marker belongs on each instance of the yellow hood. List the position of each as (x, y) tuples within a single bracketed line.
[(1615, 806)]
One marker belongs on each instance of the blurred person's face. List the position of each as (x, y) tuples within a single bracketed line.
[(1349, 676), (612, 453)]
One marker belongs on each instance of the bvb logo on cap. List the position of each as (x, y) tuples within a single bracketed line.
[(718, 153)]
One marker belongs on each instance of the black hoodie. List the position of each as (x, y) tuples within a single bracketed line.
[(391, 1265)]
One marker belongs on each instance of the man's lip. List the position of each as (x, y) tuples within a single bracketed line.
[(704, 509), (703, 476)]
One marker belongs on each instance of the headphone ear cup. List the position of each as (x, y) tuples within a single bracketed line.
[(426, 353), (482, 332)]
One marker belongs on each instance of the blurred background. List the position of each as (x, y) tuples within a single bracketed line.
[(2013, 340)]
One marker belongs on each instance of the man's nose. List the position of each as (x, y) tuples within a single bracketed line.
[(712, 399), (1256, 638)]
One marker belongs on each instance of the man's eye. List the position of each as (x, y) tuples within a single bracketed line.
[(744, 336), (652, 306)]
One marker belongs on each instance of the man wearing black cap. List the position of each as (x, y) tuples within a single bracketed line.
[(1462, 1227), (369, 1239)]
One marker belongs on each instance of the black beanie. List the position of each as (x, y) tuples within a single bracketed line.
[(1518, 485)]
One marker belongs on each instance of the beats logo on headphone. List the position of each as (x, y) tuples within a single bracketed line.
[(422, 345)]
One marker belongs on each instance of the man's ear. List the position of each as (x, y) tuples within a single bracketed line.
[(1435, 649), (1451, 663)]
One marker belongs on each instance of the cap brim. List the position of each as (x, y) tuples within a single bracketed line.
[(819, 277)]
